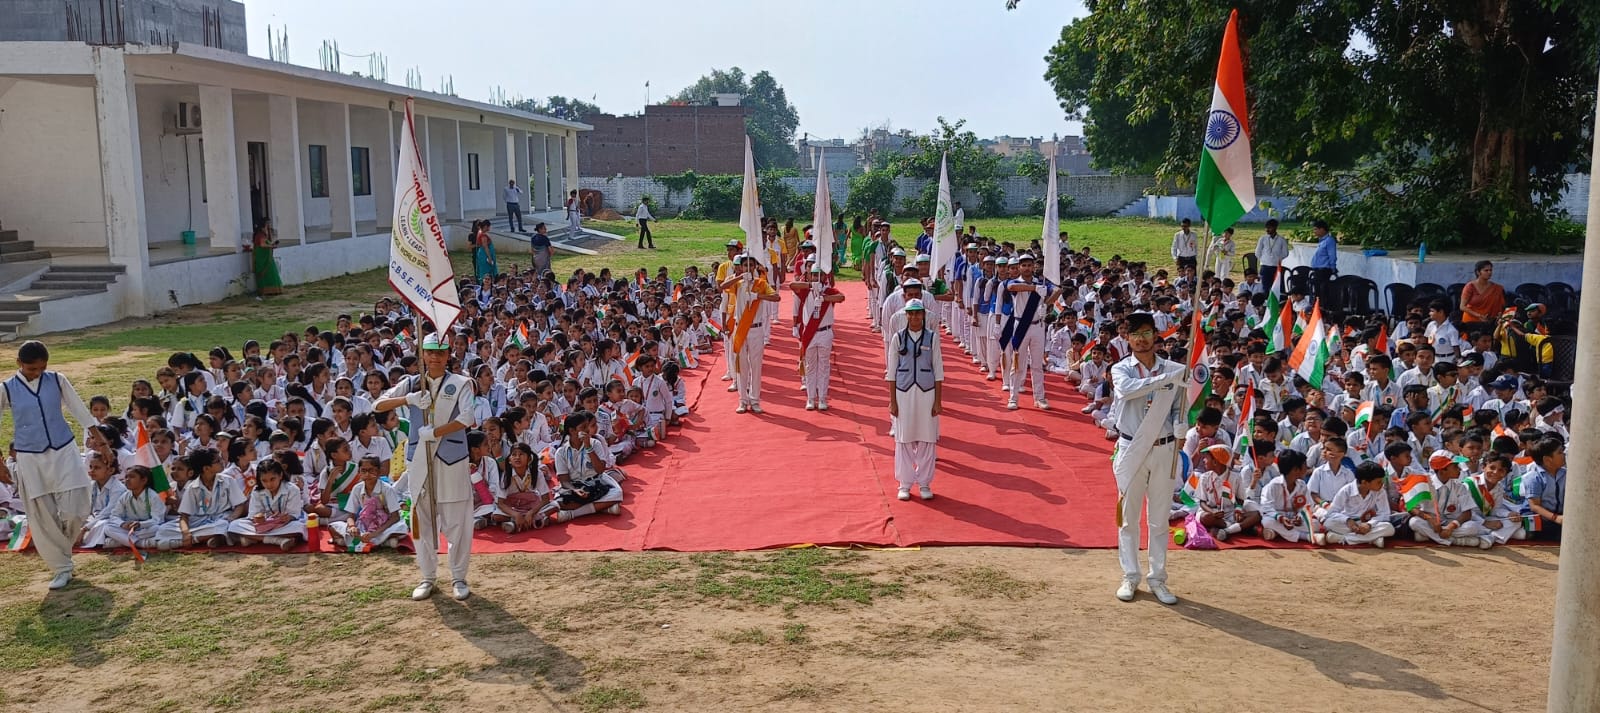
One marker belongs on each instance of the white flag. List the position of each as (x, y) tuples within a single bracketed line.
[(419, 265), (944, 226), (822, 223), (1050, 238), (750, 211)]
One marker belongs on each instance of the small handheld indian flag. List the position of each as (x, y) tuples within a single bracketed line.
[(714, 327), (1199, 373), (520, 338), (20, 537), (1363, 413), (1416, 491), (686, 358), (1310, 357), (145, 454), (1225, 189)]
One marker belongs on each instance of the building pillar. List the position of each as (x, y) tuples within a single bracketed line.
[(383, 175), (341, 182), (569, 162), (553, 171), (284, 169), (538, 171), (500, 138), (122, 174), (1575, 655), (455, 173), (517, 157), (221, 159)]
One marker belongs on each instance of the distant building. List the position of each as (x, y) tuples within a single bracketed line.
[(665, 139), (836, 154), (1013, 146), (880, 141)]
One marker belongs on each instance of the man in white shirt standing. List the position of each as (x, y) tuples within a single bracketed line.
[(1186, 247), (1148, 417), (513, 199), (644, 218), (1271, 249)]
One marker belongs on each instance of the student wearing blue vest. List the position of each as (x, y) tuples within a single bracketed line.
[(916, 384), (50, 475)]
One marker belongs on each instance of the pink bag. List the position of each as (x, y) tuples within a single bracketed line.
[(1197, 537)]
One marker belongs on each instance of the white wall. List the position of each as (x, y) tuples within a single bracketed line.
[(317, 127), (367, 130), (476, 139), (173, 183), (49, 156)]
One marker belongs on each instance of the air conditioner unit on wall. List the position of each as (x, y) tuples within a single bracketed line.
[(188, 118)]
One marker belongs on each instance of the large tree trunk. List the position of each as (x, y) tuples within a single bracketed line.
[(1500, 160)]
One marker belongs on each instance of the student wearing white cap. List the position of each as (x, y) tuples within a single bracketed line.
[(1023, 335), (751, 296), (814, 329), (990, 298), (724, 271), (441, 487), (965, 288), (916, 384)]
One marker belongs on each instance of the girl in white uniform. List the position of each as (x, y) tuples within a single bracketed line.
[(522, 492), (277, 510), (375, 520), (138, 513), (588, 484), (104, 495), (208, 504)]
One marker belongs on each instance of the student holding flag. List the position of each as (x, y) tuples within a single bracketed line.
[(50, 475), (1023, 334), (814, 328)]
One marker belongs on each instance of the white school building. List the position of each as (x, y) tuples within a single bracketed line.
[(131, 176)]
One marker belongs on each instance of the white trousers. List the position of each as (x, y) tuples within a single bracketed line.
[(819, 365), (1342, 528), (1150, 492), (913, 462), (1470, 528), (455, 521), (727, 349), (748, 378), (1508, 529), (873, 303), (1294, 534), (54, 519), (992, 353), (1029, 358)]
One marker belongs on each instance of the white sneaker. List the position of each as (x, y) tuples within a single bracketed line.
[(1380, 543), (1042, 405), (1221, 534), (1087, 409), (615, 509), (811, 406), (423, 591), (509, 527), (1466, 541), (1011, 405), (1268, 535), (1485, 542), (733, 387), (727, 378), (925, 492), (1319, 539), (974, 359), (459, 590), (741, 409), (822, 406), (990, 377), (61, 579), (1163, 595), (1125, 592), (756, 408), (904, 494)]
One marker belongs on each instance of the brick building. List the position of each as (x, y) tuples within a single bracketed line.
[(666, 139)]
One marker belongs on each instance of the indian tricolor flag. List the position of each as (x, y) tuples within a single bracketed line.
[(519, 338), (1225, 189), (1199, 373), (1310, 356), (1364, 414), (1416, 491), (145, 454)]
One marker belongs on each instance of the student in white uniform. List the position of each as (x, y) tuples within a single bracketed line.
[(376, 521), (589, 483), (1359, 513), (139, 513), (210, 501), (814, 328), (277, 514), (441, 412), (1031, 297), (1450, 517), (916, 385), (1284, 500), (750, 328), (1147, 416), (49, 474), (104, 495)]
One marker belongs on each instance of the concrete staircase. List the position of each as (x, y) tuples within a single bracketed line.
[(58, 282), (14, 249)]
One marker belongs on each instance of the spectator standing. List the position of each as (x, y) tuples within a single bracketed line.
[(1325, 262), (1483, 299), (644, 218), (513, 199)]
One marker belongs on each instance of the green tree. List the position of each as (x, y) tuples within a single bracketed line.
[(871, 190), (968, 163), (769, 119), (1399, 120), (557, 106)]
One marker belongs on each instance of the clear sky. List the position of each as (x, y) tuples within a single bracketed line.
[(846, 64)]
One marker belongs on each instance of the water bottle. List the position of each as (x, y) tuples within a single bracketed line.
[(1422, 251), (313, 533)]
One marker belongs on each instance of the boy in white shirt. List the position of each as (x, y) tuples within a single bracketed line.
[(1359, 513), (1284, 499), (1333, 474)]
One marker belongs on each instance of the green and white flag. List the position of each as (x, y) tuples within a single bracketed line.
[(1225, 189)]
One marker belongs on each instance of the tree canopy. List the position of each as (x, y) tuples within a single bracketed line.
[(1398, 120), (769, 119), (969, 164), (558, 106)]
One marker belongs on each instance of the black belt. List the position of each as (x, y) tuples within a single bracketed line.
[(757, 324), (1159, 441), (824, 329)]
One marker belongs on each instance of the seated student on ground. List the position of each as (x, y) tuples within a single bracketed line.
[(1205, 433), (1359, 512), (588, 484), (1284, 500), (1333, 474), (1502, 518), (1447, 516), (1219, 501), (1546, 486)]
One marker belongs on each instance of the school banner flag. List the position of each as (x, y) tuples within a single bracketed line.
[(1050, 234), (145, 454), (944, 226), (750, 211), (1310, 357), (822, 223), (419, 264), (1225, 189), (1199, 373)]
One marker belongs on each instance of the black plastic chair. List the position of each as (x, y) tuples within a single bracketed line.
[(1398, 295), (1564, 366), (1302, 271), (1533, 292), (1360, 296), (1563, 299), (1427, 292)]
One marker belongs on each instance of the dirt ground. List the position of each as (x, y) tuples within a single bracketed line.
[(950, 629)]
